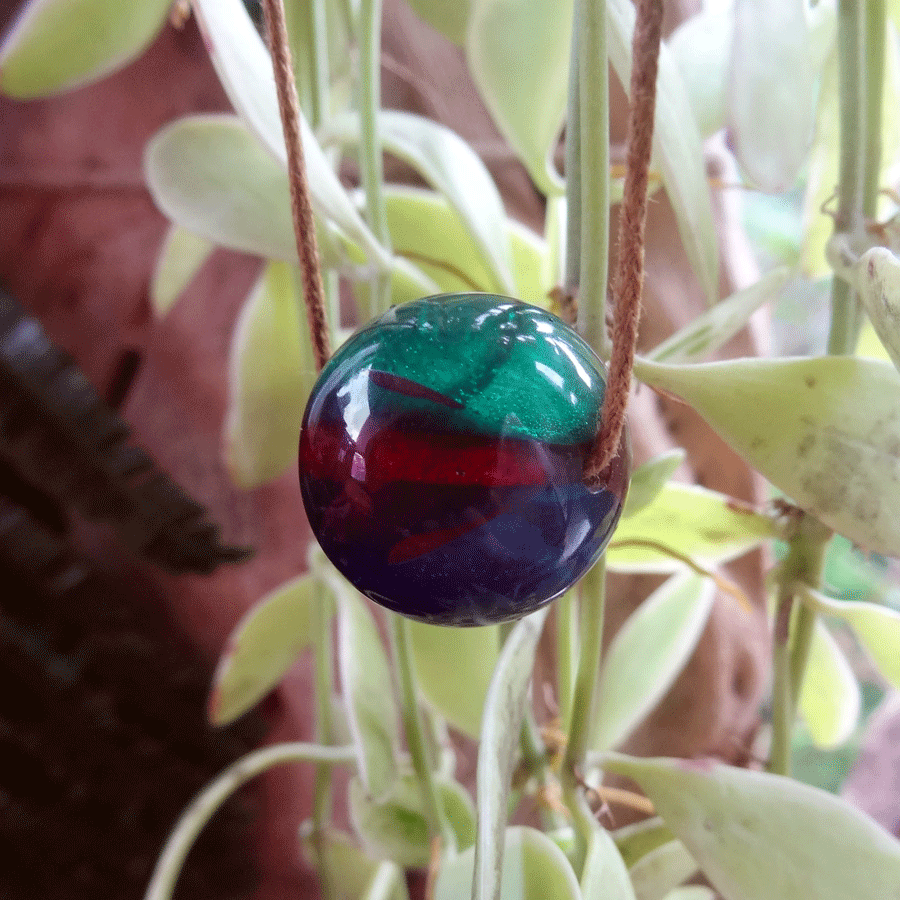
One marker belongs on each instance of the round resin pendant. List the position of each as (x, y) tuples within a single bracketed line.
[(441, 459)]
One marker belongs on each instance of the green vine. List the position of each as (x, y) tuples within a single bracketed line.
[(793, 631), (590, 208), (205, 804), (861, 61), (371, 166), (415, 731)]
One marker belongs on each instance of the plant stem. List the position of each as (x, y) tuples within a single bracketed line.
[(793, 632), (385, 881), (804, 630), (584, 707), (322, 791), (861, 59), (321, 74), (584, 698), (204, 805), (572, 273), (782, 694), (843, 317), (319, 63), (415, 731), (345, 7), (566, 655), (852, 105), (591, 240), (300, 37), (371, 166), (533, 751), (316, 29), (587, 263)]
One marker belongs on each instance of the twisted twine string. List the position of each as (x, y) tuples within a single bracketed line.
[(628, 282), (301, 207)]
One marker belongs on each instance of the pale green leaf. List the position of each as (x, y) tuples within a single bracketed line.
[(555, 227), (635, 841), (691, 521), (504, 710), (676, 146), (534, 868), (830, 699), (180, 258), (354, 870), (449, 18), (271, 372), (474, 652), (245, 70), (408, 282), (451, 167), (342, 18), (397, 827), (711, 330), (876, 627), (691, 892), (368, 691), (701, 45), (301, 43), (386, 883), (758, 836), (57, 45), (518, 54), (878, 281), (211, 176), (664, 868), (604, 876), (825, 431), (650, 478), (772, 117), (648, 653), (425, 229), (263, 646), (530, 270), (340, 724), (442, 748), (564, 838), (869, 344)]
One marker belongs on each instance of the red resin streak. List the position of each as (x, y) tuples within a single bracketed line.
[(388, 455)]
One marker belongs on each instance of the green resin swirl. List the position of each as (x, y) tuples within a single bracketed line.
[(481, 363)]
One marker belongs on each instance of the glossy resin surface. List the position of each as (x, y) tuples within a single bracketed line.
[(441, 459)]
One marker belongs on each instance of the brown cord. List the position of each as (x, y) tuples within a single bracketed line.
[(301, 207), (629, 279)]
